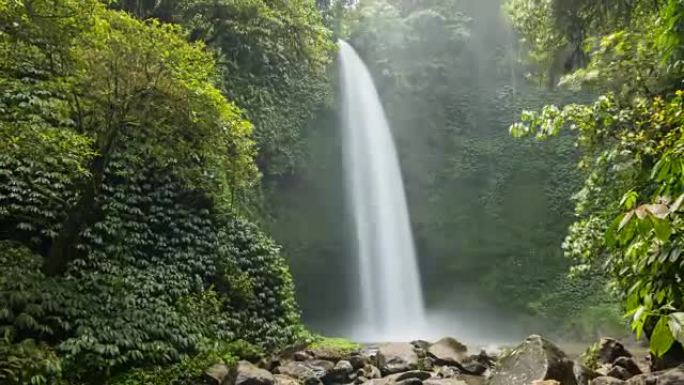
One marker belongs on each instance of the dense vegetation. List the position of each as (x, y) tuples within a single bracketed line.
[(123, 170), (628, 210)]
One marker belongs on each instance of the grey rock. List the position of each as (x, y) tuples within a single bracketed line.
[(447, 372), (302, 355), (609, 350), (535, 359), (409, 381), (220, 374), (619, 372), (281, 379), (673, 376), (396, 357), (308, 372), (341, 372), (444, 381), (447, 350), (421, 344), (583, 374), (419, 374), (629, 364), (473, 367), (358, 361), (605, 380), (248, 374)]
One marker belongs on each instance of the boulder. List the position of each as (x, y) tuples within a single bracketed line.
[(534, 359), (545, 382), (605, 380), (421, 344), (447, 372), (583, 375), (341, 372), (666, 377), (409, 381), (447, 351), (444, 381), (629, 364), (248, 374), (307, 372), (396, 357), (369, 372), (281, 379), (302, 355), (419, 374), (219, 374), (473, 367), (619, 372), (609, 350), (358, 360), (470, 379)]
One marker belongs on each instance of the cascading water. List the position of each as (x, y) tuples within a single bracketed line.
[(391, 295)]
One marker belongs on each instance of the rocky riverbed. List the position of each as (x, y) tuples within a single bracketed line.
[(536, 361)]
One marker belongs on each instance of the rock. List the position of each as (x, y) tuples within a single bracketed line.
[(534, 359), (473, 367), (308, 372), (444, 381), (396, 357), (341, 372), (358, 361), (447, 351), (605, 380), (219, 374), (281, 379), (421, 344), (629, 364), (302, 355), (248, 374), (419, 374), (583, 375), (619, 372), (409, 381), (545, 382), (360, 380), (666, 377), (470, 379), (369, 371), (609, 350), (446, 372)]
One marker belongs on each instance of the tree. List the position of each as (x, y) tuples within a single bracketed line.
[(629, 209)]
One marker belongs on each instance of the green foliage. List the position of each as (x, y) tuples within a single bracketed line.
[(119, 168), (190, 370), (629, 217), (28, 362)]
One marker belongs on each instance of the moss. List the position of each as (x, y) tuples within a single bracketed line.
[(340, 345)]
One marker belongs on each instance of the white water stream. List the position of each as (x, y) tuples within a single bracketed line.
[(391, 295)]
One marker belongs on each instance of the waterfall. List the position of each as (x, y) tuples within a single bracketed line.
[(391, 304)]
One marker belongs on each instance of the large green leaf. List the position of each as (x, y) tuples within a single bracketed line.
[(676, 324), (661, 339)]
